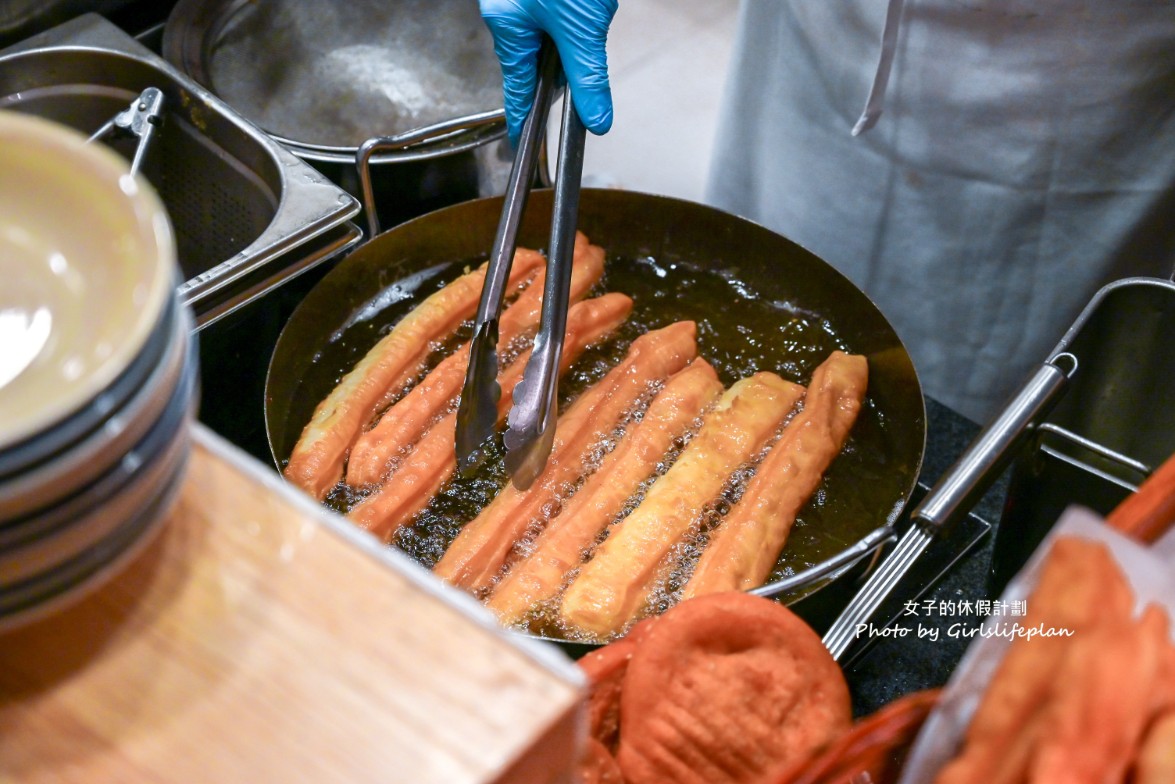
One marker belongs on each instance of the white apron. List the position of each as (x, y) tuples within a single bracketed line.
[(1024, 155)]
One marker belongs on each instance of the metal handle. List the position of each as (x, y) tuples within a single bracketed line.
[(869, 545), (415, 138), (954, 494), (843, 632), (980, 465), (553, 320), (518, 186), (531, 424), (477, 411)]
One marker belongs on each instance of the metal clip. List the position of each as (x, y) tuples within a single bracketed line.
[(140, 120)]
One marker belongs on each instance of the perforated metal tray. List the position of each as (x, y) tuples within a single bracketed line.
[(248, 214)]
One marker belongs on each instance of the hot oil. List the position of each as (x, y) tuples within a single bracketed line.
[(739, 333), (351, 341)]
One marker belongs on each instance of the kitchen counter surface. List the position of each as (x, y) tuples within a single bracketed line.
[(258, 637), (241, 640)]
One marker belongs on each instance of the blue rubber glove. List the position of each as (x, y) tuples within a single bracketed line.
[(579, 29)]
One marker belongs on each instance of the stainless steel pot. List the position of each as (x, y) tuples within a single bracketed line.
[(324, 77), (1113, 428)]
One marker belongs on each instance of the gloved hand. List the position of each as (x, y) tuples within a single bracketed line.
[(579, 29)]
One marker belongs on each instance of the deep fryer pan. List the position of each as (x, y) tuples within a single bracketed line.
[(630, 225)]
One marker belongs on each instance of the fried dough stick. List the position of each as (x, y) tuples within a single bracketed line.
[(478, 553), (406, 421), (1100, 703), (744, 549), (434, 460), (1156, 757), (614, 585), (316, 463), (562, 544), (1080, 587)]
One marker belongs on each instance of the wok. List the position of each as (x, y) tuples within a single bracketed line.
[(762, 303)]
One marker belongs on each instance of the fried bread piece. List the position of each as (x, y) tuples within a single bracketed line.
[(1080, 587), (316, 463), (727, 688), (434, 460), (745, 547), (597, 765), (605, 668), (1156, 758), (561, 546), (408, 419), (1100, 702), (614, 586), (478, 554), (869, 752)]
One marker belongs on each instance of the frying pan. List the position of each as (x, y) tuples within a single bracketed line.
[(747, 287)]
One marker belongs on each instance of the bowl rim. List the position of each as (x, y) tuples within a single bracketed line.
[(153, 235)]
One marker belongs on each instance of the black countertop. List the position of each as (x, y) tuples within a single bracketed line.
[(890, 667)]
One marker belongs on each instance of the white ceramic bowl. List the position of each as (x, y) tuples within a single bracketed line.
[(71, 580), (148, 469), (87, 261), (38, 489)]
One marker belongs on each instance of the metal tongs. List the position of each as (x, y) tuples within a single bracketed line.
[(140, 120), (531, 422)]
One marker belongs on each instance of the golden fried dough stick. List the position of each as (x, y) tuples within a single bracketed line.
[(434, 460), (614, 585), (1080, 587), (406, 421), (725, 689), (1156, 759), (562, 544), (479, 552), (1100, 702), (744, 549), (316, 463)]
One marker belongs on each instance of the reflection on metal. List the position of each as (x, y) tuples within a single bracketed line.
[(243, 208)]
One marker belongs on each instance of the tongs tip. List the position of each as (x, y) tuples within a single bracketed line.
[(526, 455), (477, 409)]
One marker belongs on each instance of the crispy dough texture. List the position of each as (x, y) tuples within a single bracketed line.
[(605, 668), (726, 688), (560, 547), (1156, 758), (868, 749), (1101, 702), (744, 549), (434, 460), (614, 586), (408, 419), (1080, 588), (478, 554), (316, 462), (597, 765)]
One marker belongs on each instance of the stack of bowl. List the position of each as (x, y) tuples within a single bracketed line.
[(98, 375)]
